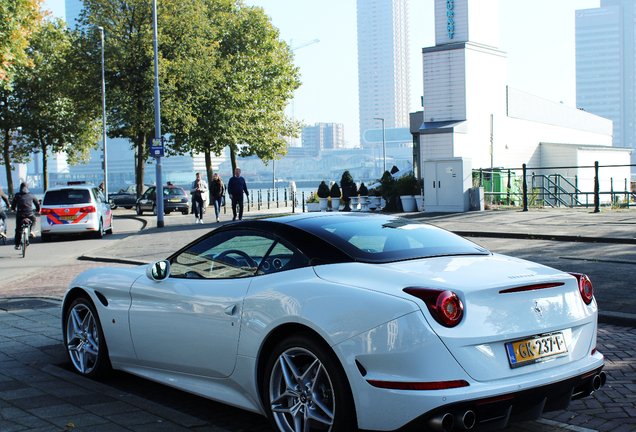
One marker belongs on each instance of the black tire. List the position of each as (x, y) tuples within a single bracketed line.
[(46, 238), (100, 231), (25, 241), (113, 206), (139, 210), (84, 339), (330, 399), (128, 207)]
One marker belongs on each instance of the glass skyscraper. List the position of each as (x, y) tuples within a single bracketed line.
[(605, 66), (384, 83)]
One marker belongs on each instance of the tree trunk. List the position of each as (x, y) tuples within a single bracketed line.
[(140, 166), (208, 162), (45, 169), (6, 157), (233, 159)]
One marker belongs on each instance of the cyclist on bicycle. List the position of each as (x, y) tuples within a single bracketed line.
[(23, 203), (3, 215)]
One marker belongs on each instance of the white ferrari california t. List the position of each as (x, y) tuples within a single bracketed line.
[(340, 321)]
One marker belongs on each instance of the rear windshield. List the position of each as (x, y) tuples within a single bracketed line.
[(67, 196), (386, 239), (173, 191)]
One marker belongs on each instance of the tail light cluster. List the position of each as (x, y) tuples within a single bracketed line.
[(45, 211), (89, 209), (585, 287), (445, 306)]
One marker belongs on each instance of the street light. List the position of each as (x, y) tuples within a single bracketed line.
[(101, 32), (383, 141), (159, 181)]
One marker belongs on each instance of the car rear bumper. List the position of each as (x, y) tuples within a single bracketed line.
[(81, 226)]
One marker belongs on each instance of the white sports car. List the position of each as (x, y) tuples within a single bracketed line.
[(343, 321)]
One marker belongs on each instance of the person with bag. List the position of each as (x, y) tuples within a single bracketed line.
[(199, 186), (217, 190)]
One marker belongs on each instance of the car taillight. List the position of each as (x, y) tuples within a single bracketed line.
[(89, 209), (445, 306), (585, 287), (45, 211)]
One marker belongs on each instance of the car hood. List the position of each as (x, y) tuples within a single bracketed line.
[(491, 318)]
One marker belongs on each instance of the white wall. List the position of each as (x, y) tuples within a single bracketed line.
[(444, 85)]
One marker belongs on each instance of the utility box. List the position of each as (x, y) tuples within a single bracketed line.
[(446, 184), (476, 198)]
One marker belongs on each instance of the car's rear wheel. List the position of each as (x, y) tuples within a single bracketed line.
[(128, 207), (306, 389), (100, 230), (84, 339), (139, 210)]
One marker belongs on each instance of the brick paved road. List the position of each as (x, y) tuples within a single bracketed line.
[(37, 394)]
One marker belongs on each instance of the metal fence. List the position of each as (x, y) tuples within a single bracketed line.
[(525, 187)]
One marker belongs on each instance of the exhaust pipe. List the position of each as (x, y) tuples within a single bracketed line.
[(442, 422), (598, 381), (466, 420)]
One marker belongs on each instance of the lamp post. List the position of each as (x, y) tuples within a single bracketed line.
[(101, 32), (383, 142), (159, 182)]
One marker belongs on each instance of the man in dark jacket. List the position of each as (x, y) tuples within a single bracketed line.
[(24, 203), (235, 188)]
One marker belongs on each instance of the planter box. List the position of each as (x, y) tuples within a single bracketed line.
[(313, 207), (324, 204), (335, 204), (408, 203)]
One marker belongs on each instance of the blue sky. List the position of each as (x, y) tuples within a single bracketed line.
[(538, 36)]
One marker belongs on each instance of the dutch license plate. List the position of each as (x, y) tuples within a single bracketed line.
[(73, 217), (536, 349), (174, 200)]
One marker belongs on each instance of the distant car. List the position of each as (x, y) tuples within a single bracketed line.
[(340, 321), (126, 198), (75, 209), (174, 199)]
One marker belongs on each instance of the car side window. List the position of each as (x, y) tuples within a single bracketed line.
[(225, 255), (283, 257)]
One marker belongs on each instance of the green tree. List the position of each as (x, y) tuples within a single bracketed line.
[(243, 107), (19, 19), (50, 120), (186, 51)]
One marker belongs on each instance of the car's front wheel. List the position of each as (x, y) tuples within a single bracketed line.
[(306, 388), (84, 339)]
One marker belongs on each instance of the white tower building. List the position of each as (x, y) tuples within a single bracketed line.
[(384, 85)]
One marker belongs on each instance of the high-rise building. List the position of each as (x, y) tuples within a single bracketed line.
[(384, 86), (323, 136), (605, 66)]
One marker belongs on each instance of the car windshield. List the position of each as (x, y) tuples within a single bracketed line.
[(386, 239), (67, 196), (173, 191)]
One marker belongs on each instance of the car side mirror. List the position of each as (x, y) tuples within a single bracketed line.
[(158, 270)]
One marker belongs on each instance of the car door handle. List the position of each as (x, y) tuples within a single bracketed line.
[(230, 310)]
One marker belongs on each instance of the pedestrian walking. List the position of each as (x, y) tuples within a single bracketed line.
[(235, 188), (199, 186), (217, 189)]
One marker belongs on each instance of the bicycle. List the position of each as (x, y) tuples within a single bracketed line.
[(26, 232)]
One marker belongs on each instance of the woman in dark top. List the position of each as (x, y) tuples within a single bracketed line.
[(217, 190)]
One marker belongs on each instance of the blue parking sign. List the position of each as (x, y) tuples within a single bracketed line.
[(156, 147)]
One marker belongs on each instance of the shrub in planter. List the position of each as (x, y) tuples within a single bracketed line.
[(348, 189), (335, 191), (323, 190), (406, 185), (363, 191), (388, 191)]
